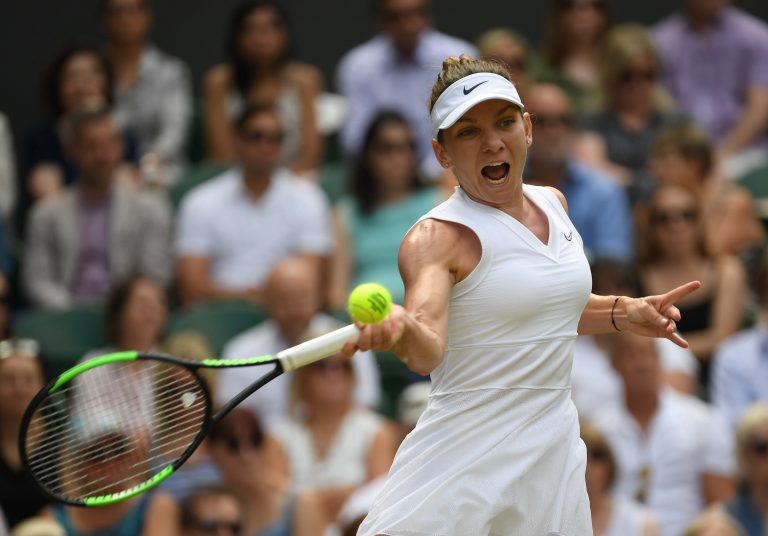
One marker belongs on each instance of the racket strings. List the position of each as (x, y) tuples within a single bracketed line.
[(114, 427)]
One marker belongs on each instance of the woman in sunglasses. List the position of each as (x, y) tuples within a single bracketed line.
[(632, 109), (750, 506), (329, 445), (246, 458), (672, 248), (612, 515), (387, 197)]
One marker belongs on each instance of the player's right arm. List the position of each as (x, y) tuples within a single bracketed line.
[(434, 256)]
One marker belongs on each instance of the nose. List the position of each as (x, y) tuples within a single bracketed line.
[(492, 142)]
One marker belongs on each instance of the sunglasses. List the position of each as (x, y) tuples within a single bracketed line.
[(239, 444), (263, 136), (667, 217), (393, 148), (558, 121), (632, 77), (397, 15), (19, 347), (327, 366), (213, 526), (759, 448), (598, 454)]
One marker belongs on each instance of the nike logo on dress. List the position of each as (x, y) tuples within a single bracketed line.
[(470, 90), (568, 236)]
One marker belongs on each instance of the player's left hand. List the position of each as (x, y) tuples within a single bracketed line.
[(655, 316)]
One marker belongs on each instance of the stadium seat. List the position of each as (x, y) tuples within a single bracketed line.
[(64, 336), (218, 322)]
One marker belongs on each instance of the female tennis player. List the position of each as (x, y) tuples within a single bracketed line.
[(496, 289)]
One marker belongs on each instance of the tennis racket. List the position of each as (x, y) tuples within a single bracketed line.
[(116, 426)]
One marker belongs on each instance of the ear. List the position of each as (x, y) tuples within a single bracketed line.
[(528, 128), (440, 154)]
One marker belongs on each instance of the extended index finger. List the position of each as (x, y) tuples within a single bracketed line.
[(676, 293)]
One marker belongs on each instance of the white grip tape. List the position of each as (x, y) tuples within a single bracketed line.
[(317, 348)]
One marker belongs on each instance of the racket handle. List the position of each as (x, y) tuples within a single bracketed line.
[(317, 348)]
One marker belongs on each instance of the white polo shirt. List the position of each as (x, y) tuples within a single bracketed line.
[(243, 237), (685, 440), (271, 402)]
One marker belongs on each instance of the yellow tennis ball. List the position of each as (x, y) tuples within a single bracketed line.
[(369, 303)]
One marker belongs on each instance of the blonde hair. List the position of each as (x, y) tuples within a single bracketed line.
[(710, 517), (623, 45), (455, 68), (753, 418), (194, 346)]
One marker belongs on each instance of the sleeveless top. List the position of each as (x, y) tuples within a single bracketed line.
[(345, 462), (628, 518), (130, 525), (513, 320), (497, 449)]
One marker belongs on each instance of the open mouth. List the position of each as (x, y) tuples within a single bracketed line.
[(495, 173)]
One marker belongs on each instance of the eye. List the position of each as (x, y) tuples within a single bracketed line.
[(507, 122), (467, 132)]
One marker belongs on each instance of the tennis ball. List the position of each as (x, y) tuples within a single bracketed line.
[(369, 303)]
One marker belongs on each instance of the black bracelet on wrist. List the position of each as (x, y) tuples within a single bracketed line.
[(613, 320)]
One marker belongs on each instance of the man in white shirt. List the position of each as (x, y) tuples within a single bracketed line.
[(672, 451), (235, 228), (395, 70), (292, 299)]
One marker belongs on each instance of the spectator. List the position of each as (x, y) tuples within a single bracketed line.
[(411, 403), (612, 515), (38, 526), (715, 60), (740, 362), (672, 248), (78, 81), (292, 299), (260, 69), (21, 377), (329, 445), (632, 110), (395, 70), (97, 233), (606, 232), (572, 46), (247, 461), (713, 522), (7, 170), (514, 51), (683, 154), (673, 453), (387, 199), (153, 92), (149, 514), (750, 506), (236, 227), (211, 510)]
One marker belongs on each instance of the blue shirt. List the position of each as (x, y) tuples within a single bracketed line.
[(740, 372), (599, 209)]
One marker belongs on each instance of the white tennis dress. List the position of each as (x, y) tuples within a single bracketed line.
[(497, 450)]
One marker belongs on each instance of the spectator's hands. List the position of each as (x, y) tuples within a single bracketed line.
[(654, 316)]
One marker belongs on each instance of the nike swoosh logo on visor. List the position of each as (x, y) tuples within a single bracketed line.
[(470, 90)]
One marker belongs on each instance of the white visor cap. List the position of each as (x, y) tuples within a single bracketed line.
[(467, 92)]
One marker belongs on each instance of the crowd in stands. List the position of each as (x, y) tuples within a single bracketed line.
[(656, 135)]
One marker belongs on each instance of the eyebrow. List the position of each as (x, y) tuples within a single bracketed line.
[(465, 119)]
